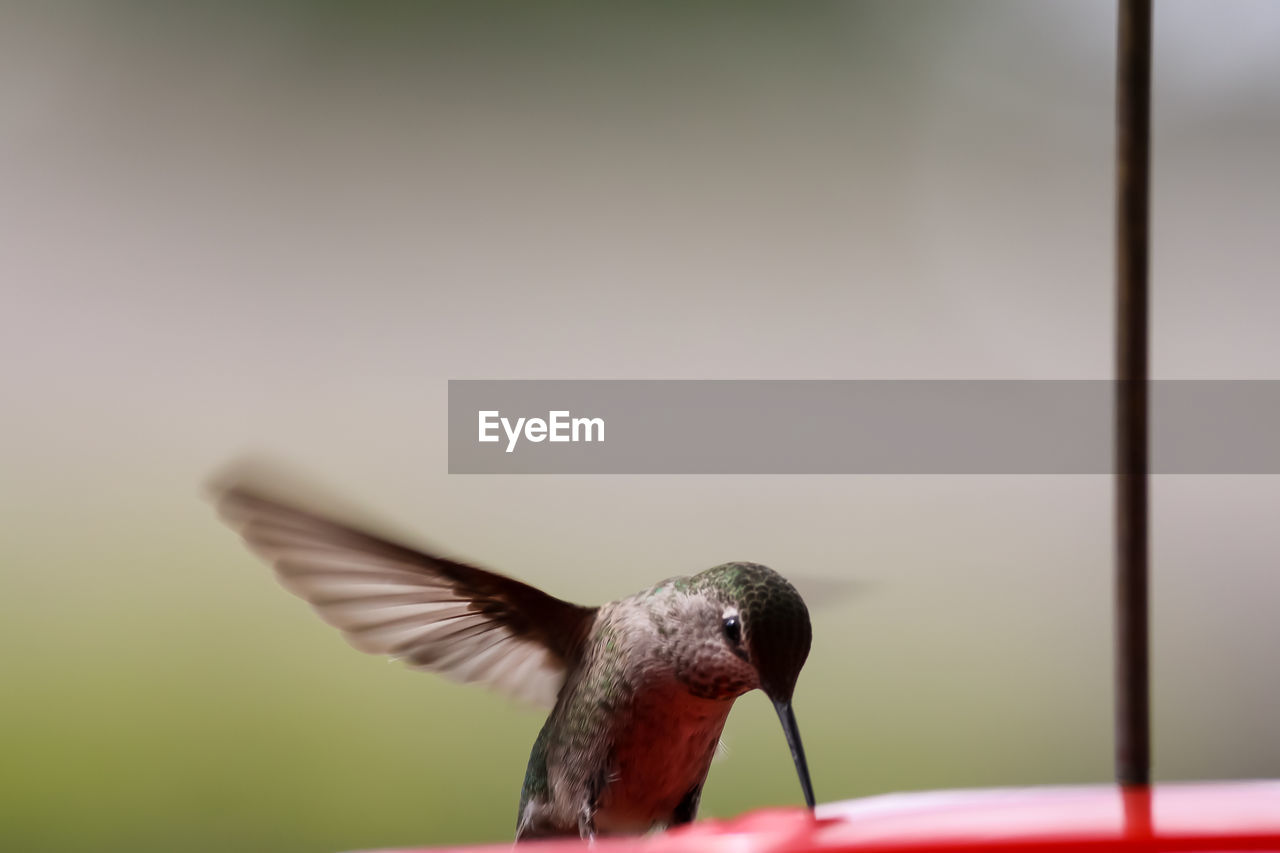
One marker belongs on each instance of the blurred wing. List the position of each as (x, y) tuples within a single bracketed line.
[(434, 614)]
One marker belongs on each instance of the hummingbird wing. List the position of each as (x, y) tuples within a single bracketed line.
[(434, 614)]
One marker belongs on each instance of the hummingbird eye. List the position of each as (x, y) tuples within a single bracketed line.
[(733, 629)]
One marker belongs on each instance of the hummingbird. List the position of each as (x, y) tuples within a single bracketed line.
[(639, 688)]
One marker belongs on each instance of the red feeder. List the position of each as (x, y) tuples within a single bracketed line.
[(1200, 817)]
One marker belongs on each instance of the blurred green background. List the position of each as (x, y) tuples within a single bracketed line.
[(281, 227)]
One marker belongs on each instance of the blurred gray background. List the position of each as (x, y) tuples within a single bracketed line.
[(281, 227)]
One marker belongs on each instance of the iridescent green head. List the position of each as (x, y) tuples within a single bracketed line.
[(763, 621), (756, 616)]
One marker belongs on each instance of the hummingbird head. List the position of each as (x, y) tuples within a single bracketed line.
[(763, 621), (750, 629)]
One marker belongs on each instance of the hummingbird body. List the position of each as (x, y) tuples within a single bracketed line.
[(628, 744), (640, 688)]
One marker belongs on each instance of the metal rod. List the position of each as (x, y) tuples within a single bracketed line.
[(1133, 125)]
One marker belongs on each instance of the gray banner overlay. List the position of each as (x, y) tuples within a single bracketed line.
[(851, 427)]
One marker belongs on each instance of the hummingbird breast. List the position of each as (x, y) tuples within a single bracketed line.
[(629, 743), (661, 754)]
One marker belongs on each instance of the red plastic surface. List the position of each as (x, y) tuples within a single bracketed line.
[(1218, 816)]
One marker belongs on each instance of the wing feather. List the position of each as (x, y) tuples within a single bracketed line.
[(435, 614)]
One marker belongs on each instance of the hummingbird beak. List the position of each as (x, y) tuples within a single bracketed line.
[(788, 718)]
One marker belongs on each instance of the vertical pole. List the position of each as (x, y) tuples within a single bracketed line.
[(1133, 124)]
